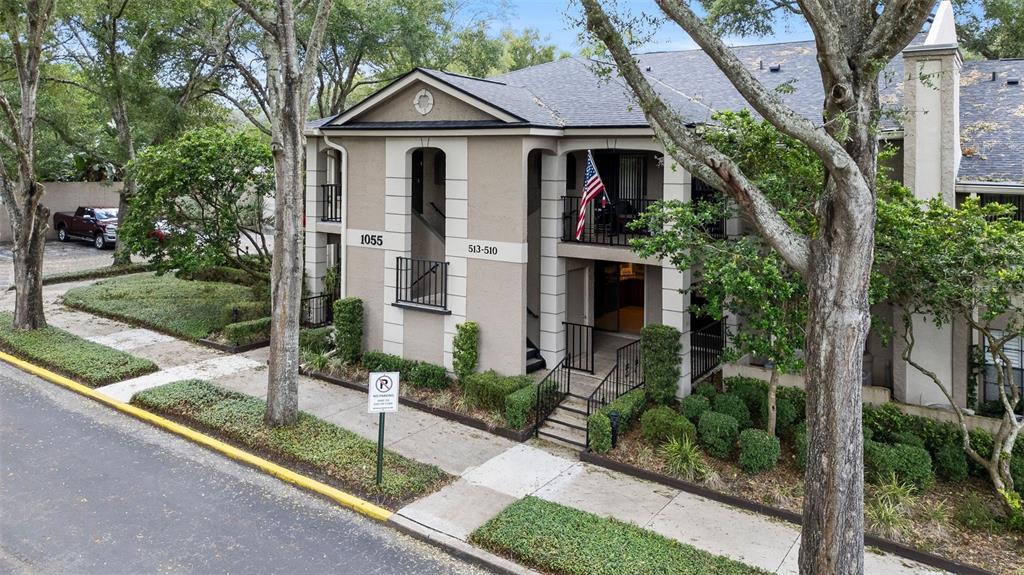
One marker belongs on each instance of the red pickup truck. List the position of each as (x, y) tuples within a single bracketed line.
[(97, 225)]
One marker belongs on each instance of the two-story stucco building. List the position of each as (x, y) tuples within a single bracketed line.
[(445, 198)]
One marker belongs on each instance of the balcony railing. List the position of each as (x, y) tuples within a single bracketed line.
[(421, 283), (330, 203), (608, 225), (317, 310), (706, 345)]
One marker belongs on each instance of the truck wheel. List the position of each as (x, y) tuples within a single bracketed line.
[(62, 234), (100, 242)]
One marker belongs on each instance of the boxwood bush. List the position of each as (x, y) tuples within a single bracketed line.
[(718, 433), (428, 376), (465, 354), (629, 405), (660, 348), (348, 324), (706, 389), (951, 463), (759, 451), (904, 462), (246, 332), (659, 424), (316, 339), (488, 390), (693, 405), (734, 406), (380, 361), (518, 406)]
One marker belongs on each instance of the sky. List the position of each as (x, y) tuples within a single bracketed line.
[(549, 18)]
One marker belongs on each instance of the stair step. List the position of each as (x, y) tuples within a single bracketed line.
[(565, 423), (535, 364), (582, 412), (562, 439), (532, 352)]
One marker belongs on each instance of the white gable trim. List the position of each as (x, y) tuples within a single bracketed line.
[(419, 76)]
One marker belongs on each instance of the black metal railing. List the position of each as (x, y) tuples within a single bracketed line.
[(330, 203), (438, 210), (421, 282), (550, 392), (607, 225), (626, 375), (317, 310), (706, 345), (579, 346)]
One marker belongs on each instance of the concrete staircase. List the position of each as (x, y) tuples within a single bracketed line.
[(567, 424)]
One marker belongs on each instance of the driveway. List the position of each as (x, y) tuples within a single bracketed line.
[(58, 258)]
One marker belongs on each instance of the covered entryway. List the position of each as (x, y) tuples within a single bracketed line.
[(619, 297)]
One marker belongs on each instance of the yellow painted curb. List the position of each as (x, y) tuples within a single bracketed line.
[(282, 473)]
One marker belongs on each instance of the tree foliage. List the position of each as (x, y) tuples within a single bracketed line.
[(991, 28), (208, 187)]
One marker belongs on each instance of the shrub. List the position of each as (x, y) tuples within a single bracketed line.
[(246, 332), (348, 325), (706, 389), (759, 451), (718, 433), (629, 406), (662, 423), (753, 392), (904, 462), (245, 311), (797, 398), (884, 421), (316, 339), (683, 458), (800, 446), (428, 376), (907, 438), (380, 361), (1017, 470), (518, 406), (692, 406), (951, 463), (489, 389), (733, 406), (220, 274), (660, 349), (465, 353), (786, 415)]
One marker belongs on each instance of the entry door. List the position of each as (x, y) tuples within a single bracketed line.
[(606, 296)]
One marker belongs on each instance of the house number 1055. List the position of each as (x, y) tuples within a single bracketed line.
[(371, 240)]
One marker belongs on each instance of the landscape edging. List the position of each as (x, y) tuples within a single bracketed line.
[(886, 545), (228, 348), (519, 436)]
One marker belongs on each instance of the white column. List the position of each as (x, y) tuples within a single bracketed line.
[(675, 304), (316, 175), (552, 267), (397, 221), (456, 225)]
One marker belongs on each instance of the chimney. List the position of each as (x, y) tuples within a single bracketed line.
[(931, 92)]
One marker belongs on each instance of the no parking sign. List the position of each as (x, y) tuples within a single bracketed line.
[(383, 393)]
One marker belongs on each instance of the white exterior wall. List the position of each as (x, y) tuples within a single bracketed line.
[(675, 303), (552, 267)]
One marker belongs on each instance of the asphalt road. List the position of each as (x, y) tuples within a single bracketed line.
[(85, 489)]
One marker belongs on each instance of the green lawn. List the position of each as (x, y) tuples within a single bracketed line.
[(188, 309), (562, 540), (80, 359), (326, 448)]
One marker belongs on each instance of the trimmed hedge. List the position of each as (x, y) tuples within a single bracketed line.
[(905, 462), (759, 451), (380, 361), (316, 339), (907, 438), (951, 463), (245, 311), (465, 349), (660, 348), (557, 539), (85, 361), (733, 406), (659, 424), (488, 390), (629, 405), (332, 451), (428, 376), (706, 389), (246, 332), (348, 325), (718, 433), (693, 405), (518, 406), (790, 402)]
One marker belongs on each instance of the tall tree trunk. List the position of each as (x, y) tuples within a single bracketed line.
[(838, 322), (773, 391), (122, 255), (29, 241)]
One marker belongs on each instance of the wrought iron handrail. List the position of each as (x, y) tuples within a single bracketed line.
[(625, 376), (608, 225), (706, 345), (421, 282), (550, 392), (330, 201), (579, 346), (438, 210), (317, 310)]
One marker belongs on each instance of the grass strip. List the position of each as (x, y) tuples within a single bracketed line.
[(90, 363), (186, 309), (326, 449), (96, 273), (559, 539)]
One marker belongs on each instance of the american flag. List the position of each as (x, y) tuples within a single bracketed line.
[(592, 187)]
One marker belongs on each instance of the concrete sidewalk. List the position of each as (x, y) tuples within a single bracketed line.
[(492, 471)]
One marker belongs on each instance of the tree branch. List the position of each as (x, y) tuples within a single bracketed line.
[(268, 26), (316, 38), (895, 28)]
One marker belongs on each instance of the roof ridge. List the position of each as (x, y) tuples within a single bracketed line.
[(457, 75)]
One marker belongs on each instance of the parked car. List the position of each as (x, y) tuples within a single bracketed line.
[(97, 225)]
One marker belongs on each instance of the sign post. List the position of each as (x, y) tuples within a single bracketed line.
[(382, 397)]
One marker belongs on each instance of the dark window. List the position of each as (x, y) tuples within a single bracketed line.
[(1014, 350), (570, 171)]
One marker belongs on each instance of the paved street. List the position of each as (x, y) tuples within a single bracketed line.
[(84, 489)]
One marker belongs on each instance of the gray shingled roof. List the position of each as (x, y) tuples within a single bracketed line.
[(992, 122)]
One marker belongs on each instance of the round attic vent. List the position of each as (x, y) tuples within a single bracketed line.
[(423, 102)]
